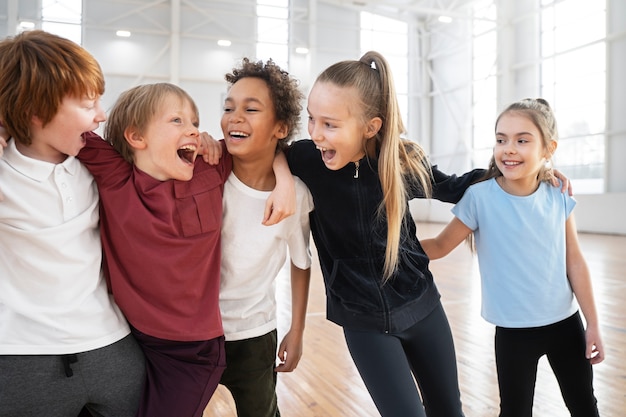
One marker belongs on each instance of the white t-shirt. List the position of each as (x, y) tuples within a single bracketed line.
[(53, 297), (520, 242), (253, 255)]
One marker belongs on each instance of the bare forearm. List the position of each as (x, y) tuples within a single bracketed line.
[(448, 239), (300, 281), (580, 280)]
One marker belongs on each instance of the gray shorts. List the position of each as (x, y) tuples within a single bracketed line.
[(107, 381)]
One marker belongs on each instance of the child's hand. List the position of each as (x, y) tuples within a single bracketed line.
[(3, 144), (4, 136), (566, 184), (595, 349), (280, 204), (289, 352), (282, 201), (3, 141), (210, 149)]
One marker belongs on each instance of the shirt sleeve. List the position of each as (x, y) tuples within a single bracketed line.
[(225, 165), (103, 162), (465, 210), (300, 155), (450, 188), (569, 203)]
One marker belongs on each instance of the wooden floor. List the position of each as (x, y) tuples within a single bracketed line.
[(326, 382)]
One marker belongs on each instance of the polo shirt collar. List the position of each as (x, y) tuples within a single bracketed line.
[(34, 168)]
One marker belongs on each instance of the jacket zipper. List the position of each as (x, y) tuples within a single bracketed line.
[(381, 292)]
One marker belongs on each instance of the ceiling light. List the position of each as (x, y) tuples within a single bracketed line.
[(224, 42), (302, 50), (445, 19), (123, 33), (26, 25)]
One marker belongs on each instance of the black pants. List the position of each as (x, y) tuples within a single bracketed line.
[(517, 355), (388, 362)]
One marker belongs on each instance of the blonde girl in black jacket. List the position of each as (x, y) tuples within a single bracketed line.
[(379, 289)]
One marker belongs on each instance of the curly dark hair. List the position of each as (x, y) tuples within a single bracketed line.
[(284, 91)]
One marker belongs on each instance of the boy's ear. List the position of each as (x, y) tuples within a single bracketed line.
[(36, 121), (134, 138), (282, 131), (372, 127)]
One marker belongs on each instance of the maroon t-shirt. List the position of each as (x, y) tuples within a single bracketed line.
[(161, 242)]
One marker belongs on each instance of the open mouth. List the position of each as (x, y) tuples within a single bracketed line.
[(327, 154), (238, 135), (187, 153)]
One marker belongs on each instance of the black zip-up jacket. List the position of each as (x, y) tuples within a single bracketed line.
[(350, 239)]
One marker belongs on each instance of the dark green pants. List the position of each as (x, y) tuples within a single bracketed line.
[(250, 375)]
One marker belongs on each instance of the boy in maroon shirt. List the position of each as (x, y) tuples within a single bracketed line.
[(161, 212)]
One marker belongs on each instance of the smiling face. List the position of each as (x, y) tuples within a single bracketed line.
[(249, 121), (334, 125), (169, 145), (520, 152), (62, 135)]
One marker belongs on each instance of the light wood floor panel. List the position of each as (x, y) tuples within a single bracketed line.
[(326, 383)]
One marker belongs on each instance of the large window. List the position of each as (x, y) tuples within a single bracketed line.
[(63, 17), (484, 76), (573, 75), (390, 38), (273, 31)]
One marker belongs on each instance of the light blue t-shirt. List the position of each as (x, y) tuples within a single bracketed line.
[(520, 242)]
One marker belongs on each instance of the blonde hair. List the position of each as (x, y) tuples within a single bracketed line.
[(38, 70), (398, 160), (135, 108)]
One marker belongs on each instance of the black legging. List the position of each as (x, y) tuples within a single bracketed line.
[(388, 362), (517, 355)]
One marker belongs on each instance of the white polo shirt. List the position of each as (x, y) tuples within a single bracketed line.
[(53, 297)]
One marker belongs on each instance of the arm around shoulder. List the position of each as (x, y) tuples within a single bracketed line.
[(448, 239), (106, 164), (282, 202), (450, 188)]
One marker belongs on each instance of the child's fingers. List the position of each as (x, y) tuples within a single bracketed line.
[(210, 149), (271, 216), (594, 353), (3, 144)]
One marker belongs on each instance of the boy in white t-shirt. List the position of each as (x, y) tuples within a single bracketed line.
[(261, 112), (64, 344)]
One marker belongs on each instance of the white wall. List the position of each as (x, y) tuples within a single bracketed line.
[(593, 213)]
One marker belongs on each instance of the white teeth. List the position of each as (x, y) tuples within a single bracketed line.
[(188, 148), (320, 148), (237, 133), (511, 163)]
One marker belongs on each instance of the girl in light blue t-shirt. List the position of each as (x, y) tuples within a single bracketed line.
[(533, 274)]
